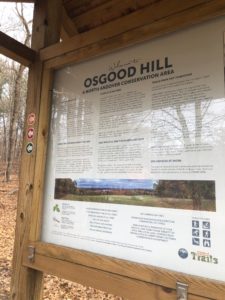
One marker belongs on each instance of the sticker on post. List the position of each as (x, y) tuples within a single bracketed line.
[(31, 119), (29, 148), (30, 133)]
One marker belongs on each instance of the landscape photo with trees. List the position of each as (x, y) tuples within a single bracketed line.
[(179, 194)]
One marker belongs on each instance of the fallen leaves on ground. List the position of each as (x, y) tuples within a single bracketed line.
[(54, 287)]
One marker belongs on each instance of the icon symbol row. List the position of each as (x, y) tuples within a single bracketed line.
[(196, 242), (196, 224), (197, 232)]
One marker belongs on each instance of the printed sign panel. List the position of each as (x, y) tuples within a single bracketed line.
[(135, 166)]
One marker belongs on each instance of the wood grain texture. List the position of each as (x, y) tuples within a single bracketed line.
[(27, 283), (79, 6), (67, 25), (23, 278), (109, 11), (16, 50), (149, 16), (42, 141), (197, 285), (84, 50), (53, 21), (127, 287)]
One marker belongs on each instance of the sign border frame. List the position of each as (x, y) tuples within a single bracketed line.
[(133, 280)]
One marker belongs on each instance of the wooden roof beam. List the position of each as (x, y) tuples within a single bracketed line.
[(92, 17), (16, 50), (148, 15), (80, 6), (68, 28), (137, 27)]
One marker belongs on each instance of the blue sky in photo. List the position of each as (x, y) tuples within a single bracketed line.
[(116, 183)]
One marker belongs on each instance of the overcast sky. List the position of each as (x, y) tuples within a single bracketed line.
[(116, 183), (9, 22)]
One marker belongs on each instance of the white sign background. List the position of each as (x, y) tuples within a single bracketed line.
[(149, 128)]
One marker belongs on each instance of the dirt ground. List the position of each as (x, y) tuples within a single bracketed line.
[(54, 288)]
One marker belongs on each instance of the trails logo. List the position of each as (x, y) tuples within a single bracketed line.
[(183, 253), (204, 257)]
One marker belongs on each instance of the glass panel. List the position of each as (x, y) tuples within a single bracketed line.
[(135, 166)]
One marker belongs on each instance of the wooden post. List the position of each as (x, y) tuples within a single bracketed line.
[(26, 283)]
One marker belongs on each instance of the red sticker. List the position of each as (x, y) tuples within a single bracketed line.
[(31, 119), (30, 133)]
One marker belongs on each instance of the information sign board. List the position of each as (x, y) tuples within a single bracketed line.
[(135, 166)]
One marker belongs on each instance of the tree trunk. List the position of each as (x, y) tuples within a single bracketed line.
[(12, 124)]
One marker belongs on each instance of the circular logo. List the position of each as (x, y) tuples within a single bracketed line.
[(29, 147), (183, 253), (30, 133), (31, 119)]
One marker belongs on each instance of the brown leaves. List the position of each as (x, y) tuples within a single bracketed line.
[(7, 227), (57, 289)]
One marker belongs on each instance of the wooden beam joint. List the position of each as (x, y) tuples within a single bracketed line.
[(16, 50)]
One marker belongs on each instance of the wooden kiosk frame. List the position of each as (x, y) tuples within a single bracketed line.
[(32, 257)]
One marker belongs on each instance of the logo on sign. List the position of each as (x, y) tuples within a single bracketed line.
[(204, 257), (183, 253), (31, 119), (30, 133), (29, 148)]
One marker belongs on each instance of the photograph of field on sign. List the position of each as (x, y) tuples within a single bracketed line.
[(180, 194)]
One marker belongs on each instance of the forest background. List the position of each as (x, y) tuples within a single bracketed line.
[(16, 21)]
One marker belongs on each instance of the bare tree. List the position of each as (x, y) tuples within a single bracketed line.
[(16, 88)]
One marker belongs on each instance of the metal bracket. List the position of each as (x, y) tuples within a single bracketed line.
[(31, 253), (182, 291)]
